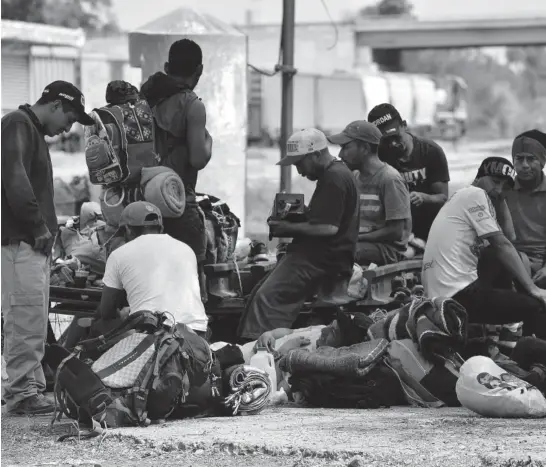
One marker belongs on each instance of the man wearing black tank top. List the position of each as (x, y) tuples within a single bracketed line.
[(421, 162), (323, 246), (182, 140)]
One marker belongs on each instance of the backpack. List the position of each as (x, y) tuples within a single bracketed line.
[(132, 377), (120, 143), (425, 384)]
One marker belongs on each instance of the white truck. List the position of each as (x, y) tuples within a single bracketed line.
[(431, 106)]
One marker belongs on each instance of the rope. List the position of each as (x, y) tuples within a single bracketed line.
[(250, 390)]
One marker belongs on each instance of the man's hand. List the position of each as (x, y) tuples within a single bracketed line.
[(279, 227), (540, 275), (44, 243), (417, 198), (541, 295), (265, 341)]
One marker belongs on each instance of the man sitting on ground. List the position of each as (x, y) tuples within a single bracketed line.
[(322, 247), (527, 202), (462, 229), (385, 214), (421, 162), (155, 271)]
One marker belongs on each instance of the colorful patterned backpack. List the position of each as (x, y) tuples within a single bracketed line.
[(120, 143)]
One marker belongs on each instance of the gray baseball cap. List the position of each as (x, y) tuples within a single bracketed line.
[(360, 130)]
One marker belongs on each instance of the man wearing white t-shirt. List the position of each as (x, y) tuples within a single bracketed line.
[(465, 225), (156, 271)]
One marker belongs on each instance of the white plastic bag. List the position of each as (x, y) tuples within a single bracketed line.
[(487, 389)]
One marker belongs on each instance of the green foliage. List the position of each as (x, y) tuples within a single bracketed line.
[(503, 99), (91, 15)]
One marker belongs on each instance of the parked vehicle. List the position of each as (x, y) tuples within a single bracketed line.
[(431, 106)]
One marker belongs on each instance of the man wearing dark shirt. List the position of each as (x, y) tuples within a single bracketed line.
[(29, 225), (182, 139), (323, 246), (420, 161)]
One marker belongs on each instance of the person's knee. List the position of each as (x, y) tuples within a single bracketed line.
[(541, 283)]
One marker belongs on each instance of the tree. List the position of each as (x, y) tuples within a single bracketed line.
[(388, 8), (388, 59), (90, 15)]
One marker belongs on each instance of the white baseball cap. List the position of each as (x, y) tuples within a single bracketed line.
[(301, 143)]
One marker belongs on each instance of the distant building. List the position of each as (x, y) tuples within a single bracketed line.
[(33, 55)]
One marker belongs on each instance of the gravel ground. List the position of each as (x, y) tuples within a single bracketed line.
[(291, 437)]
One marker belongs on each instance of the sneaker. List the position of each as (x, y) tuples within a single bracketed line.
[(508, 338), (258, 252), (33, 405)]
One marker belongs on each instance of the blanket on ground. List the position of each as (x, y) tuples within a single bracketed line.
[(354, 361), (162, 187), (435, 325)]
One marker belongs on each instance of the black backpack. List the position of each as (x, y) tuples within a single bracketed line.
[(178, 359)]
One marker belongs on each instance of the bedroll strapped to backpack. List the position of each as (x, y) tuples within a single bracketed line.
[(120, 143), (144, 370)]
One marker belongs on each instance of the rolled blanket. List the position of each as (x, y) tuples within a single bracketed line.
[(433, 324), (250, 390), (162, 187), (354, 361)]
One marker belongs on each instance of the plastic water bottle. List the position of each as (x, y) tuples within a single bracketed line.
[(263, 360)]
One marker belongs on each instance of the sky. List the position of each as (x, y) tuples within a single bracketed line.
[(135, 13)]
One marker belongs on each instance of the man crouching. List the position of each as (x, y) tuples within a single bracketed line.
[(156, 271), (322, 246)]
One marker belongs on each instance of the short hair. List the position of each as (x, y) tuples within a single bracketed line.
[(48, 98), (139, 230), (185, 56)]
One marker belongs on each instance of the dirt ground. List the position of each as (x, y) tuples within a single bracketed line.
[(291, 437)]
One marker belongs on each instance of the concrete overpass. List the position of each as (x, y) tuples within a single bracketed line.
[(404, 33)]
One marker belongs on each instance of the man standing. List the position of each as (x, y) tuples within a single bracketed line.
[(385, 214), (153, 270), (527, 202), (464, 227), (421, 162), (183, 142), (323, 246), (29, 226)]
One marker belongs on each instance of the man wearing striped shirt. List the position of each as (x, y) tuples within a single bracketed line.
[(385, 212)]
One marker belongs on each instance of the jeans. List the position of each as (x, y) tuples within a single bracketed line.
[(378, 253), (488, 305), (279, 299), (25, 305)]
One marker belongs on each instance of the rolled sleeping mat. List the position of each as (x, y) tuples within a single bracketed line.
[(163, 187)]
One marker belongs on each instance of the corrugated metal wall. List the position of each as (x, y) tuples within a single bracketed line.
[(15, 81), (44, 70)]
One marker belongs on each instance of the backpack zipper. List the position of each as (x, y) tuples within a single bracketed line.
[(132, 107)]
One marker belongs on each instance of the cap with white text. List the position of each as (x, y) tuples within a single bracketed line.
[(301, 143), (386, 118), (69, 93)]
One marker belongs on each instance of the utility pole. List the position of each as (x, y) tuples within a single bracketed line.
[(288, 71)]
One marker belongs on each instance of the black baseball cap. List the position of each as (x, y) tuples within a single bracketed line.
[(386, 118), (66, 91), (497, 167), (361, 130)]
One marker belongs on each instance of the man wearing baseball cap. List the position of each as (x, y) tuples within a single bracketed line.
[(385, 214), (323, 246), (421, 162), (29, 224), (464, 227), (154, 270), (527, 201)]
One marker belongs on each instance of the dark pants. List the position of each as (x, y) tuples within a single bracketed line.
[(189, 229), (529, 351), (488, 305), (279, 299), (378, 253)]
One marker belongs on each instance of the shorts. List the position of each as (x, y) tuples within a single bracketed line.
[(190, 229)]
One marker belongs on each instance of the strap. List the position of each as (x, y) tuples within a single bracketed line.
[(95, 431), (127, 359)]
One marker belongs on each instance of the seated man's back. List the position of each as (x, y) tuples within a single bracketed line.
[(158, 273)]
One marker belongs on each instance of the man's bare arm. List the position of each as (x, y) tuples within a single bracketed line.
[(199, 139), (111, 300)]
